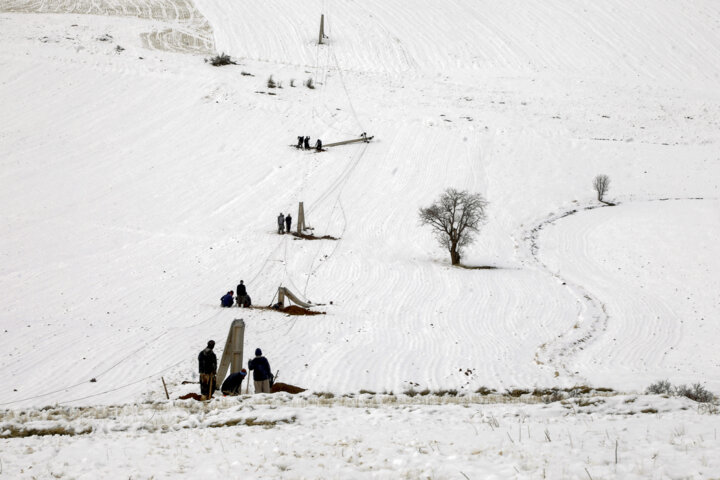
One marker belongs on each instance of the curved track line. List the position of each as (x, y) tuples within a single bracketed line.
[(592, 312)]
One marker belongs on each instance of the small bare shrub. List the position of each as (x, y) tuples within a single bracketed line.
[(326, 395), (662, 387), (220, 60), (555, 396), (447, 393), (601, 185), (697, 393), (485, 391), (517, 392)]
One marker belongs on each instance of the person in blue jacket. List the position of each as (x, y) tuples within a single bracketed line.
[(233, 384), (261, 372), (227, 300)]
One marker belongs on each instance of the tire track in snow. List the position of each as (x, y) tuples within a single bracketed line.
[(593, 317), (187, 31)]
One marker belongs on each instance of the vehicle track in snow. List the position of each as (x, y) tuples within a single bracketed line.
[(592, 313), (187, 29)]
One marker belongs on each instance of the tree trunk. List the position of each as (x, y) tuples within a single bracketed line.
[(455, 257)]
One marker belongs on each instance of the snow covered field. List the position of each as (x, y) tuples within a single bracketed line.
[(138, 184)]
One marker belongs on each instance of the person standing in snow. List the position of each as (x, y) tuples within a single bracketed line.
[(288, 222), (227, 299), (261, 372), (281, 223), (300, 142), (306, 143), (318, 145), (241, 293), (207, 365), (233, 384)]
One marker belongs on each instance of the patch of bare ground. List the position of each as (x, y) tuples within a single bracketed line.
[(12, 431), (194, 396), (292, 310), (304, 236), (250, 422), (284, 387), (295, 310)]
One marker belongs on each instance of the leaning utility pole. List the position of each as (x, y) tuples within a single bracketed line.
[(232, 357)]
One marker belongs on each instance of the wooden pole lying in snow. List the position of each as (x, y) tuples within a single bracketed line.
[(165, 387), (363, 138)]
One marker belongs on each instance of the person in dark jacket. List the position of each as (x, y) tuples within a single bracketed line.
[(243, 299), (318, 145), (241, 290), (288, 222), (281, 223), (207, 365), (306, 143), (233, 384), (261, 372), (227, 299), (300, 142)]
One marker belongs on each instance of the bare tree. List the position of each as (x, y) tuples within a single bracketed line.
[(455, 219), (602, 185)]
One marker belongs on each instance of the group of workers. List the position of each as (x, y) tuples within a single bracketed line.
[(284, 223), (304, 143), (242, 298), (207, 364)]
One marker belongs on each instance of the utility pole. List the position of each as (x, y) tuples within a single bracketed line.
[(301, 219), (322, 29), (232, 356)]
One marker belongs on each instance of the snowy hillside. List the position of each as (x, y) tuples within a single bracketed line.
[(138, 184)]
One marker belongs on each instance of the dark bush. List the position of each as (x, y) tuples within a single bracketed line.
[(662, 387), (697, 393), (220, 60)]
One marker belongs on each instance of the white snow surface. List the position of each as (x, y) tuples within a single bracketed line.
[(138, 184)]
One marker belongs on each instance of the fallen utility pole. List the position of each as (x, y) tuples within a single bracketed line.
[(363, 138), (167, 395)]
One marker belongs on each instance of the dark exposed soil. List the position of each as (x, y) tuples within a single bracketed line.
[(478, 267), (194, 396), (277, 387), (284, 387), (292, 310), (312, 237), (295, 310)]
